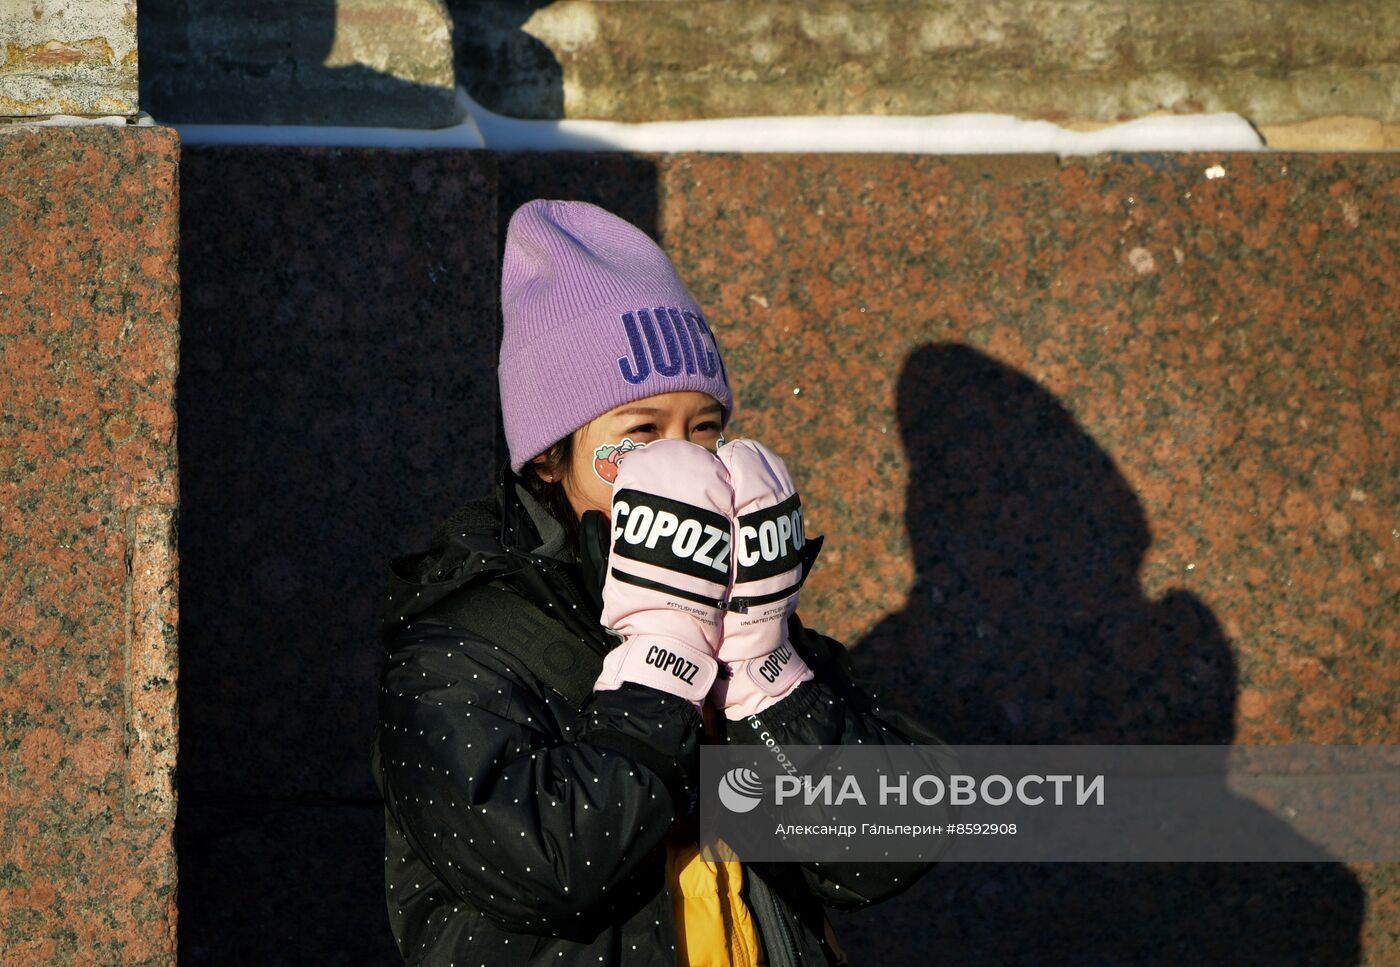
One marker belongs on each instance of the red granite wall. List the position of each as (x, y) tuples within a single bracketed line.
[(1031, 398), (88, 346), (1105, 451)]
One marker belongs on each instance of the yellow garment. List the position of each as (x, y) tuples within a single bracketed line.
[(714, 927)]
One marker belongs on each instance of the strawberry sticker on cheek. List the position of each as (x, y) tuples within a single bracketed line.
[(608, 456)]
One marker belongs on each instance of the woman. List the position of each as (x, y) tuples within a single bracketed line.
[(559, 654)]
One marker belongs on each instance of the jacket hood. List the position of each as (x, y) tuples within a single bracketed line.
[(496, 537)]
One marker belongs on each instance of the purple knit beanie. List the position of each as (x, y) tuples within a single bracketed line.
[(595, 317)]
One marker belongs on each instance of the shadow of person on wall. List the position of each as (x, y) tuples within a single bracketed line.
[(503, 67), (266, 64), (1027, 625)]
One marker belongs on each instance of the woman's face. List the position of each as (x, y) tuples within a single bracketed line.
[(686, 415)]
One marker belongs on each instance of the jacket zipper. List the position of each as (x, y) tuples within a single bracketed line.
[(773, 914)]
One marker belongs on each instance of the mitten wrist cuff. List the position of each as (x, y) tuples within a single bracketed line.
[(754, 684), (662, 662)]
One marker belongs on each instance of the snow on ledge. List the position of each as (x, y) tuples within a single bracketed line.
[(138, 120), (863, 133), (942, 134), (463, 134)]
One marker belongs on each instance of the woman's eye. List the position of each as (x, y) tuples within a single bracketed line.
[(706, 428), (644, 428)]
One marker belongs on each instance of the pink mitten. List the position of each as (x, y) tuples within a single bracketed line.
[(669, 568), (768, 540)]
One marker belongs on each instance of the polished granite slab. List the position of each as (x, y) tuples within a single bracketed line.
[(1104, 451), (89, 343)]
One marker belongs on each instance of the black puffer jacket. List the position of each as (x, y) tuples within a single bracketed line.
[(521, 828)]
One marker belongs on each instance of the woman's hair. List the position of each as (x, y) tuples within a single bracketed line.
[(551, 496)]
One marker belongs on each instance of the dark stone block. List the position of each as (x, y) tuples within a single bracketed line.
[(1249, 914), (337, 399), (277, 882), (624, 184)]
